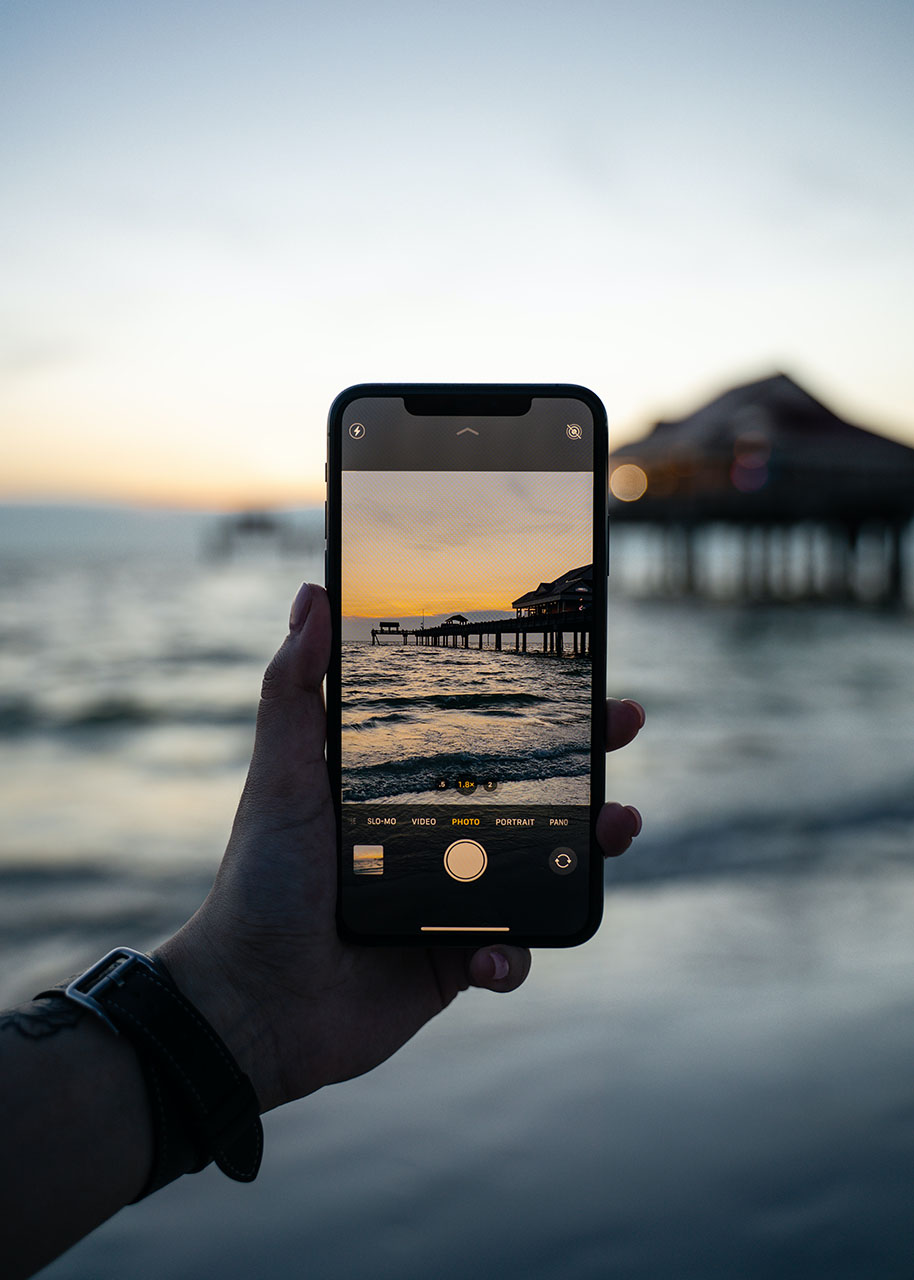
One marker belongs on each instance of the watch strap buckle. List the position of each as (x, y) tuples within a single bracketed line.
[(109, 971)]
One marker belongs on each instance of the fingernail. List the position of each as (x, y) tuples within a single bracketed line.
[(500, 966), (636, 819), (638, 707), (301, 607)]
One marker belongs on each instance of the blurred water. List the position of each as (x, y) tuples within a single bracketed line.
[(718, 1085)]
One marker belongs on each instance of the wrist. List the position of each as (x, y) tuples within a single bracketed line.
[(203, 1107), (210, 986)]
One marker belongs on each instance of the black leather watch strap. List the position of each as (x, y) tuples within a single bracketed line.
[(203, 1106)]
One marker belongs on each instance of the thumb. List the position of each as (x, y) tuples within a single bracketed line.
[(288, 772)]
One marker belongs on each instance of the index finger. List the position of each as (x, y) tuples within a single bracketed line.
[(624, 719)]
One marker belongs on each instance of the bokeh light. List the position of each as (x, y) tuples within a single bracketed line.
[(628, 482)]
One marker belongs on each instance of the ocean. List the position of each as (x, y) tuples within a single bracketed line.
[(417, 714), (718, 1085)]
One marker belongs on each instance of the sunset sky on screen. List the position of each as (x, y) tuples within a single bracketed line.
[(458, 542)]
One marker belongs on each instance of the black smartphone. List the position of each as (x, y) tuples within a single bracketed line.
[(466, 568)]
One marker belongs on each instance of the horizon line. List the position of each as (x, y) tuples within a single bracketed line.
[(156, 504)]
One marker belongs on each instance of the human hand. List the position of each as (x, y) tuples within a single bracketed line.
[(298, 1007)]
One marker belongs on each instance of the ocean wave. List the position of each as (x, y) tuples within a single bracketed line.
[(856, 836), (21, 716), (375, 722), (214, 655), (417, 774), (459, 701)]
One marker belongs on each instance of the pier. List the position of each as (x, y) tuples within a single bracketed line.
[(803, 505), (261, 530), (559, 633), (555, 617)]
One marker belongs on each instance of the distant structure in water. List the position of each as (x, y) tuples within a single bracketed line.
[(264, 529), (804, 496)]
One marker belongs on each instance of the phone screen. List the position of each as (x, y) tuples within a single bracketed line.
[(467, 569)]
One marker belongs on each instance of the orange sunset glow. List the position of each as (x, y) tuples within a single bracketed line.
[(445, 542), (183, 297)]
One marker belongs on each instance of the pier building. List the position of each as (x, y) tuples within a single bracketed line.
[(813, 506)]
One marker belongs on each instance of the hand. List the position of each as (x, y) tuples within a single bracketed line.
[(261, 958)]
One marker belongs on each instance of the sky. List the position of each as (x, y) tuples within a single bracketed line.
[(216, 216), (437, 543)]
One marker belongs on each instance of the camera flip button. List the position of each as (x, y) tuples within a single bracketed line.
[(563, 861)]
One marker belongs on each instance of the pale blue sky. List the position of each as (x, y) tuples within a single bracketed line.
[(217, 215)]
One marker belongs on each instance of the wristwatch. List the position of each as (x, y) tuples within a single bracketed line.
[(203, 1106)]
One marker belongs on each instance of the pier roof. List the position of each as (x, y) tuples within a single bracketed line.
[(767, 451), (575, 585)]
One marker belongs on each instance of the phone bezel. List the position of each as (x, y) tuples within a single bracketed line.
[(472, 395)]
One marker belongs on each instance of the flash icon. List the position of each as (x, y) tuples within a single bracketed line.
[(573, 431)]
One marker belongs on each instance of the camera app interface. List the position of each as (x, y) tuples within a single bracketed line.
[(467, 693)]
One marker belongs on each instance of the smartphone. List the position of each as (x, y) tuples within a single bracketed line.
[(466, 568)]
